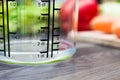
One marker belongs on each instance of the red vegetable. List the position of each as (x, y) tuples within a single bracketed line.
[(87, 10)]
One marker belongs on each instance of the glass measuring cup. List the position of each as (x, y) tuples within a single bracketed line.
[(31, 32)]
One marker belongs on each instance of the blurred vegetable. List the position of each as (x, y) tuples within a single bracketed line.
[(30, 19), (116, 28), (11, 8), (102, 23), (87, 10), (25, 18)]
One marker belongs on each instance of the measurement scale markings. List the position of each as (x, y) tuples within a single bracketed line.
[(44, 27), (1, 12), (1, 50), (43, 39), (53, 26), (57, 9), (2, 38), (12, 32), (45, 14), (56, 42), (43, 51), (1, 25), (44, 0), (48, 25), (8, 35), (55, 49)]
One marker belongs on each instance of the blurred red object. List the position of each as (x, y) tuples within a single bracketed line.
[(87, 10)]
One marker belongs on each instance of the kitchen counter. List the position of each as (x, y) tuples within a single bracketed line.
[(91, 62)]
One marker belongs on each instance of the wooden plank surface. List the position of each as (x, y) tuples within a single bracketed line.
[(91, 62), (98, 37)]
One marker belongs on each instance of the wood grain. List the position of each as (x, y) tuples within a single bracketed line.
[(91, 62)]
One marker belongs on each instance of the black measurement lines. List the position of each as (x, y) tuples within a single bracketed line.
[(47, 28), (53, 29), (3, 27), (8, 32)]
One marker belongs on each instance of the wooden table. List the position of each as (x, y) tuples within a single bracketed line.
[(91, 62)]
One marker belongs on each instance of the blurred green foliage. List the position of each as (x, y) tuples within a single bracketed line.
[(26, 19)]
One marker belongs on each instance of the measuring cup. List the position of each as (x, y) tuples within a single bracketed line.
[(30, 32)]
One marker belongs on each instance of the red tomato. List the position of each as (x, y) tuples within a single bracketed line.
[(87, 10)]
